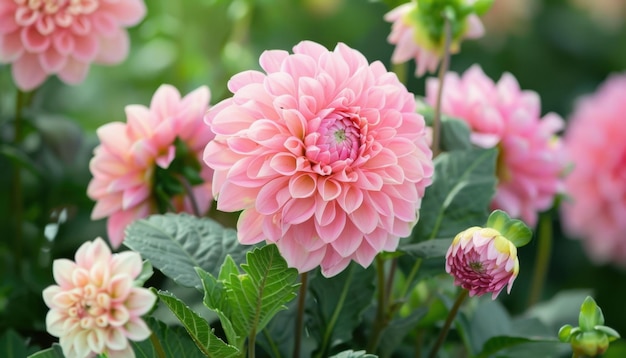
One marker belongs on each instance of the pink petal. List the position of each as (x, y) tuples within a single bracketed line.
[(74, 72), (114, 49), (33, 41), (28, 73), (51, 61)]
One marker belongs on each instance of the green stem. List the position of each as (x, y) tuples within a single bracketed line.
[(157, 346), (381, 309), (443, 68), (17, 198), (270, 341), (192, 198), (251, 344), (544, 250), (411, 277), (448, 323), (300, 314)]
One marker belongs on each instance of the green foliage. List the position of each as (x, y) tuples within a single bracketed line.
[(199, 330), (514, 230), (428, 249), (353, 354), (463, 186), (53, 352), (172, 342), (12, 345), (177, 243)]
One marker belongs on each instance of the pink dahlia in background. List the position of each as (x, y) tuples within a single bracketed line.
[(595, 143), (137, 159), (41, 38), (412, 39), (323, 152), (531, 160), (482, 261), (95, 307)]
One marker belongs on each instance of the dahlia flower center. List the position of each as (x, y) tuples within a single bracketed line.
[(477, 266), (47, 15), (338, 138), (91, 308)]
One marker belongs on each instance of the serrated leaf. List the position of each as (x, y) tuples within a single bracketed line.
[(352, 354), (177, 243), (216, 300), (499, 343), (265, 288), (199, 330), (428, 249), (459, 197), (12, 345), (172, 341), (337, 305), (53, 352), (228, 267)]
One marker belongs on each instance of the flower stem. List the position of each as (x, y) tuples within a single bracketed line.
[(448, 323), (192, 198), (443, 68), (251, 344), (381, 310), (17, 197), (544, 250), (300, 314), (157, 346)]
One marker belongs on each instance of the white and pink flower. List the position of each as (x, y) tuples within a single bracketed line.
[(95, 307), (324, 153), (41, 38), (531, 160), (129, 154)]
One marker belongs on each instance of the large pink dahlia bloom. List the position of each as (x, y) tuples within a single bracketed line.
[(324, 153), (413, 42), (94, 306), (63, 37), (595, 143), (125, 163), (531, 160), (481, 261)]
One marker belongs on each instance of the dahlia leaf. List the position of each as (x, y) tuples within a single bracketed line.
[(428, 249), (335, 309), (397, 329), (172, 342), (12, 345), (262, 291), (145, 274), (500, 343), (455, 134), (216, 300), (201, 333), (178, 243), (353, 354), (53, 352), (459, 197)]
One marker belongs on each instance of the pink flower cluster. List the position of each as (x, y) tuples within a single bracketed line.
[(124, 163), (481, 260), (531, 161), (95, 307), (63, 37), (324, 153), (595, 143), (412, 40)]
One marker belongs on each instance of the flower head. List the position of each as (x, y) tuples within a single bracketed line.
[(481, 261), (94, 306), (531, 160), (413, 38), (324, 153), (63, 37), (594, 141), (142, 167)]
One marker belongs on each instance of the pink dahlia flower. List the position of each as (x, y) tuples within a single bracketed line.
[(63, 37), (594, 141), (324, 153), (125, 163), (413, 42), (95, 307), (481, 261), (531, 160)]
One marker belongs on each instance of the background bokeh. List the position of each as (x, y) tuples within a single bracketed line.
[(558, 48)]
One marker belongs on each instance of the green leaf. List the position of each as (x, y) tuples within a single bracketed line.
[(397, 329), (352, 354), (455, 134), (199, 330), (177, 243), (460, 195), (172, 341), (337, 305), (499, 343), (590, 315), (514, 230), (145, 274), (490, 319), (53, 352), (264, 290), (12, 345), (428, 249), (216, 300)]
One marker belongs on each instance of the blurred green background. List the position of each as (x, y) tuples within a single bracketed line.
[(559, 48)]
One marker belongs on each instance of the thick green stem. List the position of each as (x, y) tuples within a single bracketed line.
[(381, 310), (157, 346), (443, 68), (251, 344), (17, 198), (300, 314), (448, 323), (544, 250)]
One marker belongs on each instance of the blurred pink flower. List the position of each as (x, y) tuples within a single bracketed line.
[(531, 160), (94, 307), (324, 153), (63, 37), (413, 41), (595, 143), (481, 261), (125, 162)]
